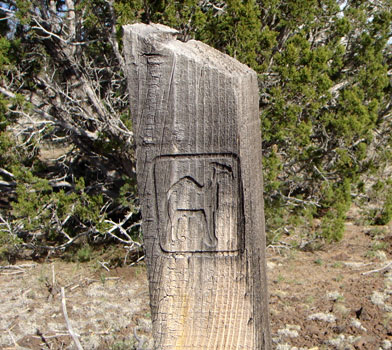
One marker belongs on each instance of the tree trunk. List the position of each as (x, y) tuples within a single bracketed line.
[(197, 130)]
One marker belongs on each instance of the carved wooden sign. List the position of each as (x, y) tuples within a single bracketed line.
[(197, 130)]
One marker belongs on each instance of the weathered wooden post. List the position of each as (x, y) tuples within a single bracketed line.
[(196, 123)]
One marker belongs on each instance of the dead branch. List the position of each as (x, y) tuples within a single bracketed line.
[(123, 231), (6, 173), (382, 269), (7, 226), (52, 336), (13, 339), (103, 264), (140, 340), (53, 276), (43, 338), (113, 40), (12, 273), (18, 267), (137, 261), (69, 326), (7, 184), (59, 247)]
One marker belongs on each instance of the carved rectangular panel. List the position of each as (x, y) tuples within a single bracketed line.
[(198, 203)]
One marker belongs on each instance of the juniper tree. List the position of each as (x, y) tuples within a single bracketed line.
[(326, 93), (63, 87)]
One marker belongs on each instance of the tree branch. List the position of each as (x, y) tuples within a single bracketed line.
[(68, 323)]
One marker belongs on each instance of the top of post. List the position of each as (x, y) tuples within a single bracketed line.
[(153, 31), (158, 37)]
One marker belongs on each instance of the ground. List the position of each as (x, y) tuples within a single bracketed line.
[(329, 298), (333, 298)]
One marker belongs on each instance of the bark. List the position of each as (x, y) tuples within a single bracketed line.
[(197, 132)]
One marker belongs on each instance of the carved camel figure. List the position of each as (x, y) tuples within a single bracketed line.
[(192, 208)]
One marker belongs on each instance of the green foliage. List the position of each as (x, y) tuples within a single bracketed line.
[(51, 202), (128, 11), (319, 261), (6, 157), (186, 16), (376, 232), (84, 253), (376, 250), (124, 344), (324, 104), (379, 204), (337, 200), (127, 196), (22, 14), (39, 209), (386, 212), (9, 242), (237, 31)]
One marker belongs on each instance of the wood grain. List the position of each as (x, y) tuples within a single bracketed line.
[(197, 130)]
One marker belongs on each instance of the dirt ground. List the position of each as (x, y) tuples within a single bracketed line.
[(332, 298)]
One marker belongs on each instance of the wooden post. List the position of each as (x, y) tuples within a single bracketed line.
[(197, 130)]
